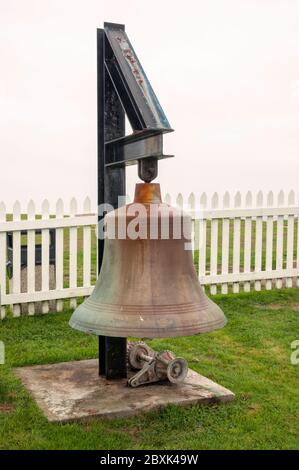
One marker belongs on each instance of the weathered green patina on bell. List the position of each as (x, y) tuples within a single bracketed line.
[(147, 287)]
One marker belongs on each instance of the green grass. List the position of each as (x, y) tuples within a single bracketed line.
[(251, 356)]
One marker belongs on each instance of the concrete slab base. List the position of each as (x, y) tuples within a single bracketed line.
[(71, 391)]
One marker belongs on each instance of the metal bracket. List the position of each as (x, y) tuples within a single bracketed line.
[(131, 149), (124, 72)]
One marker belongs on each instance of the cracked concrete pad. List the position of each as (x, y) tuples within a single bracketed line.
[(71, 391)]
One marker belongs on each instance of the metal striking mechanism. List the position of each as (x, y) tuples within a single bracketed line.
[(147, 286), (154, 366)]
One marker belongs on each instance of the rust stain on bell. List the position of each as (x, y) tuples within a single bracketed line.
[(147, 193), (148, 287)]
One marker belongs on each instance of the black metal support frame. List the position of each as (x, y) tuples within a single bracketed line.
[(123, 88)]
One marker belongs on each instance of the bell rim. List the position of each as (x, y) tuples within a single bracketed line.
[(148, 332)]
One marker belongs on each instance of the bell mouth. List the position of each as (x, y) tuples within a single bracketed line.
[(147, 193), (147, 321)]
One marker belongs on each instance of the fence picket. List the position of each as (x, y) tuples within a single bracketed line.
[(279, 239), (191, 206), (73, 252), (45, 255), (167, 199), (16, 279), (290, 238), (269, 240), (214, 244), (202, 238), (258, 241), (31, 257), (247, 241), (180, 201), (236, 242), (3, 250), (86, 246), (59, 252), (225, 243)]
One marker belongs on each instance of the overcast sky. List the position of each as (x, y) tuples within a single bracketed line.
[(225, 72)]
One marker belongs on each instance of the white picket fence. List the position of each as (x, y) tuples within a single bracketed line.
[(251, 243), (65, 254)]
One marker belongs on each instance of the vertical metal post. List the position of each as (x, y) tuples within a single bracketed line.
[(101, 167), (111, 185), (102, 355), (116, 358)]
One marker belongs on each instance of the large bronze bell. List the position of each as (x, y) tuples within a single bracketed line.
[(147, 287)]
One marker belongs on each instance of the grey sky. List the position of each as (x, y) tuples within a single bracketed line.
[(225, 72)]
